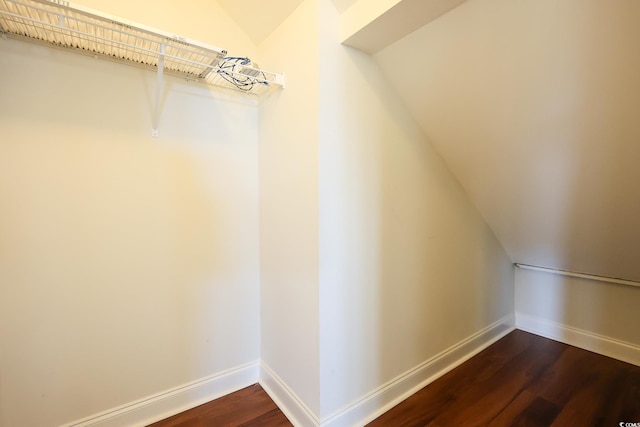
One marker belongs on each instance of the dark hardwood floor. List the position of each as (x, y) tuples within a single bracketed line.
[(250, 406), (526, 380), (521, 380)]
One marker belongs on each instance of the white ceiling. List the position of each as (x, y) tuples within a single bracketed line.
[(535, 107), (259, 18)]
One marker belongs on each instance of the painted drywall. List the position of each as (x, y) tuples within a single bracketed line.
[(258, 19), (408, 268), (360, 14), (124, 259), (370, 26), (288, 153), (342, 5), (533, 105), (603, 310)]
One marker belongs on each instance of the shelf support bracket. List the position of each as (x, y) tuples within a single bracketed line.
[(159, 87)]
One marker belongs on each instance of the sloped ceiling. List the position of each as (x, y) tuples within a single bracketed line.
[(372, 25), (535, 107), (258, 18)]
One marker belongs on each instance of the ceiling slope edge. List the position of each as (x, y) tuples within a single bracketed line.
[(371, 26)]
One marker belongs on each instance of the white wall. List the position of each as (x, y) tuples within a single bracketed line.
[(593, 314), (133, 264), (124, 260), (289, 207), (408, 268), (366, 238)]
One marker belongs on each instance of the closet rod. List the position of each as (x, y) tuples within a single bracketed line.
[(579, 275)]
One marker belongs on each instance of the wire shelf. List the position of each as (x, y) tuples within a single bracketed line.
[(62, 24)]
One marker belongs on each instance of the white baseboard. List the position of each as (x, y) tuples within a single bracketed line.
[(380, 400), (170, 402), (587, 340), (372, 405), (289, 403)]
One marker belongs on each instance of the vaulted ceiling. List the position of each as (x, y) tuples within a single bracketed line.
[(533, 104), (257, 18)]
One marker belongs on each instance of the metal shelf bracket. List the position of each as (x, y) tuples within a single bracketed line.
[(159, 87)]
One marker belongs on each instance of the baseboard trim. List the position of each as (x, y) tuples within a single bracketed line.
[(576, 337), (286, 399), (370, 406), (385, 397), (170, 402)]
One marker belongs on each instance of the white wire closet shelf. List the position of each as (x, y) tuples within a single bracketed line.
[(63, 24)]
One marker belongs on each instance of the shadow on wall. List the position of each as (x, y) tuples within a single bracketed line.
[(442, 274), (583, 168), (585, 165), (416, 250)]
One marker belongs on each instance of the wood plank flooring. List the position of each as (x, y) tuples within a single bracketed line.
[(521, 380), (250, 406), (526, 380)]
